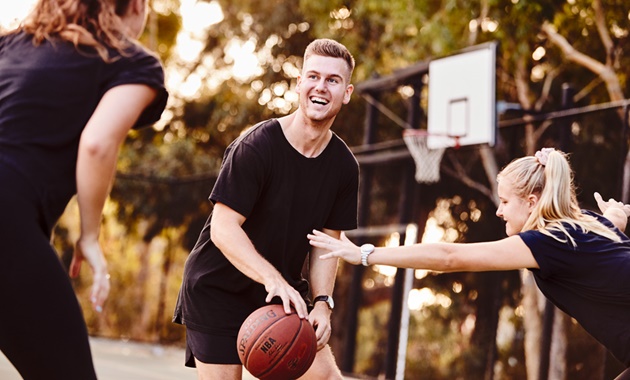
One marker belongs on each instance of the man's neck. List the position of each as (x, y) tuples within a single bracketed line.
[(308, 138)]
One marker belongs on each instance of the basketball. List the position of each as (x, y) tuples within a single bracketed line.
[(274, 345)]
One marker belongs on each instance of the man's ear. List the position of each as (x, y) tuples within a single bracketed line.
[(346, 96), (298, 80), (136, 6)]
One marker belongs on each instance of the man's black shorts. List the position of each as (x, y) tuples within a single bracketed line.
[(210, 349)]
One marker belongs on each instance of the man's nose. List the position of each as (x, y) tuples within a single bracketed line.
[(321, 85)]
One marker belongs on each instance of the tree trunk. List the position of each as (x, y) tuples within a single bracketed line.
[(606, 71), (141, 328), (559, 342), (533, 304), (166, 269)]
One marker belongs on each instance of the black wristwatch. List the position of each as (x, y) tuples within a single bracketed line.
[(328, 299)]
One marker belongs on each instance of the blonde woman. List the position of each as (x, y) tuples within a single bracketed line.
[(73, 81), (580, 259)]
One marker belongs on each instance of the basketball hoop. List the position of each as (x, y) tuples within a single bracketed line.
[(427, 160)]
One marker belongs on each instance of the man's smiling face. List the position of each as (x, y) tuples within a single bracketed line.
[(323, 87)]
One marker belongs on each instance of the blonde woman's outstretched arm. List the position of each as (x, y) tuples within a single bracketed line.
[(506, 254)]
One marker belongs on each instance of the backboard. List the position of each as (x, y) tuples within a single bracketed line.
[(462, 98)]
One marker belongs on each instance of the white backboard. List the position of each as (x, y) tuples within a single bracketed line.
[(462, 98)]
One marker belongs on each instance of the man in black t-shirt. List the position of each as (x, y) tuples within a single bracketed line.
[(278, 181)]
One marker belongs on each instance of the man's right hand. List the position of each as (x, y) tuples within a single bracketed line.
[(278, 287)]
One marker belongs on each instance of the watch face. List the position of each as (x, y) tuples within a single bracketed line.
[(367, 248)]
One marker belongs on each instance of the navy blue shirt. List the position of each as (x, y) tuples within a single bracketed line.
[(48, 92), (590, 282), (284, 196)]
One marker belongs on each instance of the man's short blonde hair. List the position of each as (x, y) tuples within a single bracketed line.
[(330, 48)]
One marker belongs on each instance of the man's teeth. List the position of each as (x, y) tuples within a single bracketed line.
[(319, 100)]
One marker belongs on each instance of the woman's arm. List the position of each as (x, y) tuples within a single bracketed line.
[(506, 254), (100, 141)]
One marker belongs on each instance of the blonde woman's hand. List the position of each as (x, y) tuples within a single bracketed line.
[(611, 204), (90, 251), (343, 248)]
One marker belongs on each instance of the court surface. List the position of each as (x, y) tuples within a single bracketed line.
[(119, 360)]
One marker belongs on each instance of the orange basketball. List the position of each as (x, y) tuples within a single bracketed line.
[(274, 345)]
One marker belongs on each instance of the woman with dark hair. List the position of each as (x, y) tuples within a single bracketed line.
[(73, 81), (580, 259)]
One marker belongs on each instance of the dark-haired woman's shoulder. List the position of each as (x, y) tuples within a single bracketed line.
[(139, 65), (7, 38)]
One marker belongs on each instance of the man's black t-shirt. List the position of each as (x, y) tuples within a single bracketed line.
[(283, 195)]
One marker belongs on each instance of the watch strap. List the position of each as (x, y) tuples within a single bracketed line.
[(366, 250), (327, 299)]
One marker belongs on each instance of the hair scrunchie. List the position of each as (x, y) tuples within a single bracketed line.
[(543, 155)]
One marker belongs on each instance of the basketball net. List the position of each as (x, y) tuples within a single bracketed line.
[(427, 160)]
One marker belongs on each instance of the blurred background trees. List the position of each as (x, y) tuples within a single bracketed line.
[(233, 63)]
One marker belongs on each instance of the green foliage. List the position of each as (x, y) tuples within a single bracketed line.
[(161, 32), (166, 184), (372, 334)]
